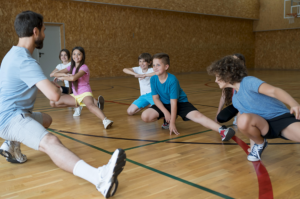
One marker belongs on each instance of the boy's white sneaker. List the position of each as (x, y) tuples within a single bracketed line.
[(77, 111), (108, 173), (107, 123), (11, 150), (256, 151), (100, 102)]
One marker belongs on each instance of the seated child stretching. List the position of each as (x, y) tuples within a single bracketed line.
[(143, 72), (64, 56), (82, 93), (229, 111), (263, 115), (170, 101)]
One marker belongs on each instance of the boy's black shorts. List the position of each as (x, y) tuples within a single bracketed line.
[(277, 124), (183, 108)]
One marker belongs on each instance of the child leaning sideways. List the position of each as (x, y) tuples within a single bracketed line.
[(261, 105), (78, 75), (143, 72), (170, 101)]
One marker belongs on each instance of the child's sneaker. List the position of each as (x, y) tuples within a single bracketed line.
[(77, 111), (100, 102), (234, 121), (165, 125), (255, 154), (107, 123), (11, 150), (226, 133), (108, 173)]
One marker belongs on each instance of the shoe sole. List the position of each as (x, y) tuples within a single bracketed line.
[(108, 126), (100, 102), (163, 127), (9, 157), (229, 134), (120, 163)]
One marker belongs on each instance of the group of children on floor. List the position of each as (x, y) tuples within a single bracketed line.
[(257, 105)]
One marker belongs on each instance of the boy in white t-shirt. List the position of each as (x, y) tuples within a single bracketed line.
[(143, 72), (64, 56)]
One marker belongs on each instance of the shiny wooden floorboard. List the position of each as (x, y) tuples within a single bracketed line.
[(159, 169)]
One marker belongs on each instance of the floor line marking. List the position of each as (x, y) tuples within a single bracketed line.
[(264, 181), (151, 169)]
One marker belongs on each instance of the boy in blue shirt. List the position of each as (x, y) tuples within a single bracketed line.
[(170, 101), (261, 105)]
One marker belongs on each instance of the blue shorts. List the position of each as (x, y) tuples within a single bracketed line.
[(144, 100)]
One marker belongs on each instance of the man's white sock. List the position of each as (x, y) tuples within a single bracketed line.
[(87, 172)]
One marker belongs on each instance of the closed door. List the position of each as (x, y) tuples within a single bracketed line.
[(48, 55)]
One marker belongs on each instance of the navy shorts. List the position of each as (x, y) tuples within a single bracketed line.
[(277, 124), (183, 108)]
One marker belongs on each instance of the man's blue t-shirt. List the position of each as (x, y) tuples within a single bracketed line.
[(248, 100), (170, 89), (19, 73)]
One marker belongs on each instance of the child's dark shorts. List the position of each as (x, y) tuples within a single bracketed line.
[(65, 90), (183, 108), (277, 124)]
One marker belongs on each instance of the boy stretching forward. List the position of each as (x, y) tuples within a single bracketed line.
[(170, 101)]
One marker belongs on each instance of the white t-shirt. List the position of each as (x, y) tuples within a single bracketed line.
[(144, 83), (62, 66)]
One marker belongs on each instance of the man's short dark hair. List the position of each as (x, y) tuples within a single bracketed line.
[(163, 57), (26, 21)]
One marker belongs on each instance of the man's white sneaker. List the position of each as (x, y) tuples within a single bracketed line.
[(100, 102), (107, 123), (11, 150), (77, 111), (108, 173)]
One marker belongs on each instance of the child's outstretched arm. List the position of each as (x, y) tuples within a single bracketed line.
[(54, 71), (150, 74), (61, 73), (172, 126), (73, 78), (221, 104), (281, 95), (130, 71)]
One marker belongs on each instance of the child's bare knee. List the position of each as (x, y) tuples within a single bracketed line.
[(243, 121), (47, 120), (146, 117)]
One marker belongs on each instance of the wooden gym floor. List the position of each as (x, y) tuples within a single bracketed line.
[(195, 164)]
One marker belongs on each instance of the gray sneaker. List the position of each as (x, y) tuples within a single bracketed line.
[(11, 150), (255, 154)]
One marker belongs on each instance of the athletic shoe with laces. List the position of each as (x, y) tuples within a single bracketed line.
[(100, 102), (255, 154), (77, 111), (226, 133), (11, 150), (108, 173), (107, 123), (165, 125)]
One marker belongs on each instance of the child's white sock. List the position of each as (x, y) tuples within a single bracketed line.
[(87, 172), (261, 145)]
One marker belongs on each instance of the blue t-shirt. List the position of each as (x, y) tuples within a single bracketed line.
[(170, 89), (19, 73), (248, 100)]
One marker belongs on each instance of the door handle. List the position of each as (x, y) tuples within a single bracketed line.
[(40, 54)]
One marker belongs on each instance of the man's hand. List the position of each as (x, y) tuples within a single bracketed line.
[(172, 128)]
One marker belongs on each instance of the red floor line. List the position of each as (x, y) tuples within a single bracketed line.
[(264, 182)]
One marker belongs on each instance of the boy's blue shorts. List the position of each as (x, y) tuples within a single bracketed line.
[(144, 100)]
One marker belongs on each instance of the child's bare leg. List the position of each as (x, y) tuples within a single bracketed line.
[(89, 102), (292, 132), (198, 117), (150, 115), (64, 101), (253, 126), (133, 109)]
